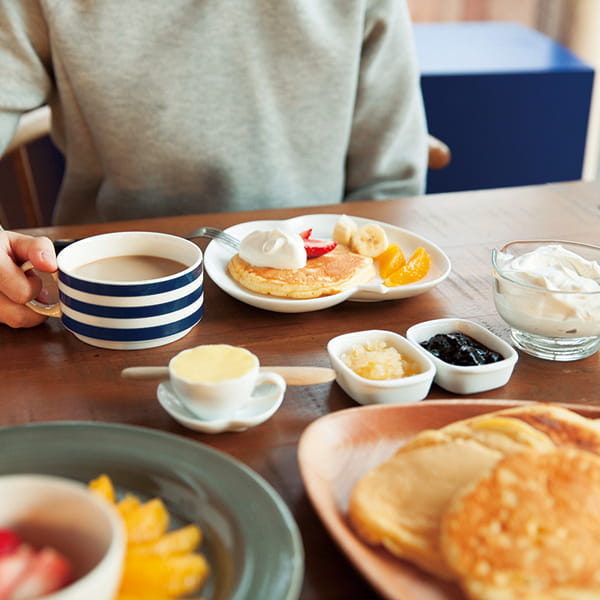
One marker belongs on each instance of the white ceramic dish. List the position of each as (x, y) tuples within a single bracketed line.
[(63, 514), (217, 256), (467, 380), (262, 407), (391, 391)]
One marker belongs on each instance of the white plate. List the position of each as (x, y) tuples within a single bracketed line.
[(217, 256), (255, 413)]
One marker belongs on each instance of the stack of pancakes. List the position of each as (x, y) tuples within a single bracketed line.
[(506, 503), (331, 273)]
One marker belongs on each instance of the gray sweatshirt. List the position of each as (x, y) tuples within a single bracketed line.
[(166, 107)]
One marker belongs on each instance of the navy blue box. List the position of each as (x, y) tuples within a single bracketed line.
[(512, 104)]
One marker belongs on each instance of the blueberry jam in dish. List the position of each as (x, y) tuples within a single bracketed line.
[(460, 349)]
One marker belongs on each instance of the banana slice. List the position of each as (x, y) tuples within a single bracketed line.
[(343, 231), (369, 240)]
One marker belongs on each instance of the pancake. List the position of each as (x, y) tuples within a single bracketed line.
[(529, 529), (331, 273), (400, 503), (561, 425)]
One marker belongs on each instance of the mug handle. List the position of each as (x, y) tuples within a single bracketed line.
[(48, 310), (276, 380)]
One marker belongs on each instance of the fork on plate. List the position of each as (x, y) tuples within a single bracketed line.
[(215, 234), (207, 232)]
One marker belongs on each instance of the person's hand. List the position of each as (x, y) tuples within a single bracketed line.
[(16, 286)]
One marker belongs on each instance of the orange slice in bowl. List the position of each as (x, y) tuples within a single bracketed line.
[(414, 270), (390, 260)]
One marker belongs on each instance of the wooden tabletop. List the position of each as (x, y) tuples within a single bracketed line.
[(49, 375)]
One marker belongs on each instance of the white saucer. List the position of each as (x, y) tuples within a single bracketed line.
[(255, 413)]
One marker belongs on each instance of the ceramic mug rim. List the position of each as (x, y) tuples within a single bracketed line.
[(65, 272)]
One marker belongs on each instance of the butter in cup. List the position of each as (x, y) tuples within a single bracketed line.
[(214, 381)]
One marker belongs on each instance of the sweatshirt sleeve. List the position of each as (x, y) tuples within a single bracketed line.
[(387, 154), (25, 77)]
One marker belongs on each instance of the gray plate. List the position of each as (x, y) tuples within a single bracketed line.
[(250, 537)]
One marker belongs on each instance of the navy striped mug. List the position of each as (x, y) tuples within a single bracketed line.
[(128, 290)]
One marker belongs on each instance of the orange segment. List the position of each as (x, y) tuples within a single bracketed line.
[(149, 596), (128, 504), (103, 486), (390, 260), (147, 522), (164, 575), (158, 565), (415, 269), (178, 541)]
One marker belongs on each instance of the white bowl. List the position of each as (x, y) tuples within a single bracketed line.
[(65, 515), (390, 391), (471, 379)]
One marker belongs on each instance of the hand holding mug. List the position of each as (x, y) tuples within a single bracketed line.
[(16, 286)]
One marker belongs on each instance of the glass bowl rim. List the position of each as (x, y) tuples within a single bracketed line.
[(503, 275)]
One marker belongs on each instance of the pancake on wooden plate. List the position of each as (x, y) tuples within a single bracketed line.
[(529, 529), (325, 275), (561, 425), (400, 503)]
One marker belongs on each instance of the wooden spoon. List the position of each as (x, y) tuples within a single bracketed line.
[(292, 375)]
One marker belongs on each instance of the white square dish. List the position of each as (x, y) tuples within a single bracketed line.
[(411, 388), (467, 379)]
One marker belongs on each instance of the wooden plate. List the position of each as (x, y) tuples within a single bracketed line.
[(336, 450)]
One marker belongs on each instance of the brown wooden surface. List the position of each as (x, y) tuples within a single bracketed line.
[(47, 374)]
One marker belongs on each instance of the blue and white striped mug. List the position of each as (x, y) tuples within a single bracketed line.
[(128, 290)]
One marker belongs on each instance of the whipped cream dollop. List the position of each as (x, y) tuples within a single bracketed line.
[(273, 248), (554, 268), (572, 305)]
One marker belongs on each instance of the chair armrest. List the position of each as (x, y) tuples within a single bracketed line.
[(439, 154), (32, 125)]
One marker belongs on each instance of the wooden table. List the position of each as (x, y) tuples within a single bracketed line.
[(49, 375)]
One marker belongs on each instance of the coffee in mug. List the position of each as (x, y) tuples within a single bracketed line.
[(130, 268)]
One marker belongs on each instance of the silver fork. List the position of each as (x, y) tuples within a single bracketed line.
[(215, 234), (208, 232)]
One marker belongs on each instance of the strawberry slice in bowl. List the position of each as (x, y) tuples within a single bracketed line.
[(26, 573), (70, 544)]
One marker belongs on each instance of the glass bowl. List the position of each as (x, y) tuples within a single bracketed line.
[(550, 299)]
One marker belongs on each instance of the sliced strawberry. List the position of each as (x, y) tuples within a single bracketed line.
[(48, 572), (13, 567), (315, 248), (305, 234), (9, 541)]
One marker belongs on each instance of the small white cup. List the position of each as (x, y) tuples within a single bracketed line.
[(216, 381)]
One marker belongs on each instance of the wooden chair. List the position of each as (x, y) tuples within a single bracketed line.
[(36, 124), (439, 154), (33, 125)]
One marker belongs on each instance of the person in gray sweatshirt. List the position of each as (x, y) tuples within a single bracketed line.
[(192, 106)]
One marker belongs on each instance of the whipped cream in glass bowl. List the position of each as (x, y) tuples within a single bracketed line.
[(549, 294)]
